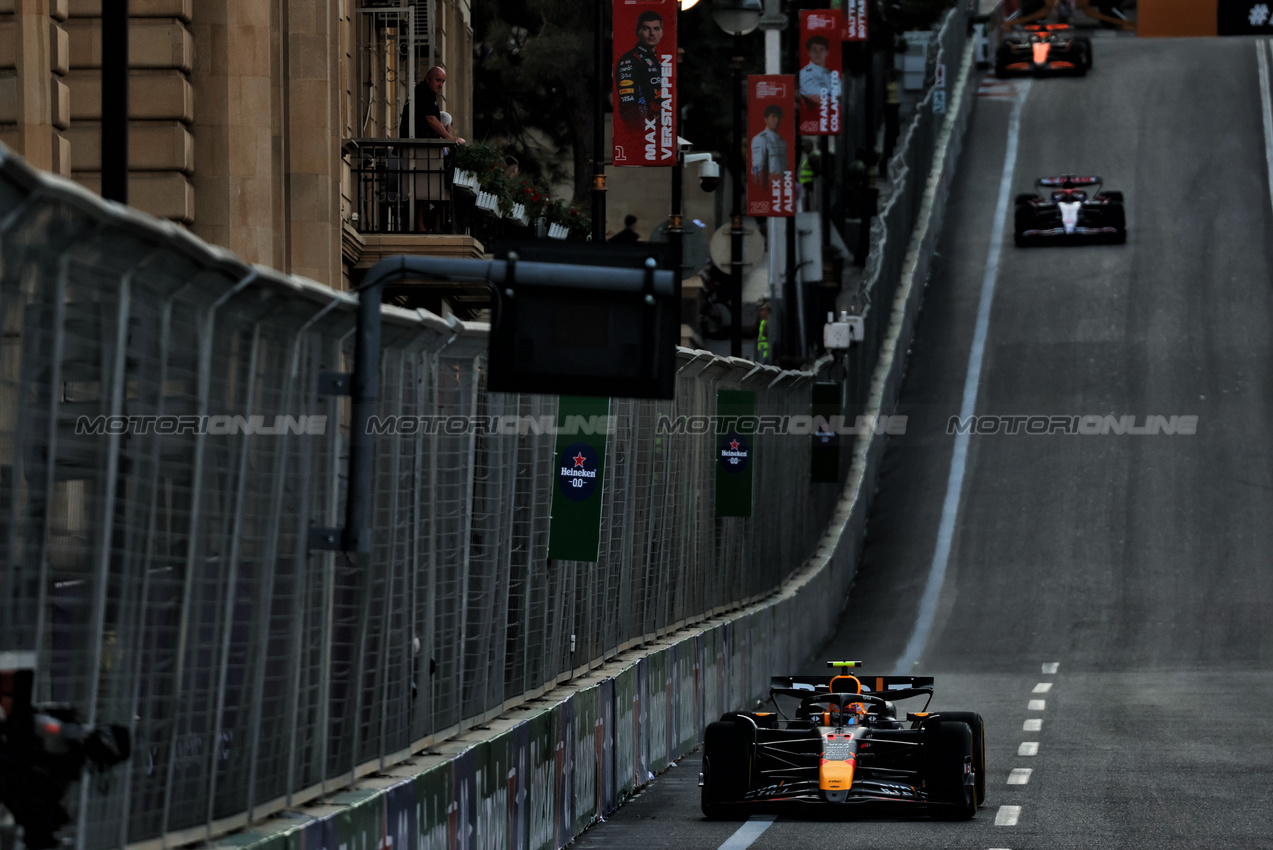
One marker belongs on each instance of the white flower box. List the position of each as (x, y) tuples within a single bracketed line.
[(488, 202), (519, 215), (465, 180), (556, 231)]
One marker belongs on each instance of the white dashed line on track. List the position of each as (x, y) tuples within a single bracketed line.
[(1032, 725), (1037, 705), (1028, 748), (1049, 669), (1042, 688), (748, 833), (1019, 776), (1007, 815)]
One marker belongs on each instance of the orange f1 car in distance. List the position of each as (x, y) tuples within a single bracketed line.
[(1042, 49)]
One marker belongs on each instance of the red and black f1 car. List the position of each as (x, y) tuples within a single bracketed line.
[(1069, 209), (838, 740), (1043, 49)]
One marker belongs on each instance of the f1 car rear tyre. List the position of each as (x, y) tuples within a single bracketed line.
[(1087, 53), (1116, 197), (1024, 198), (978, 728), (948, 751), (726, 769)]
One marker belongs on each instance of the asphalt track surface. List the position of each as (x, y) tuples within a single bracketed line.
[(1141, 566)]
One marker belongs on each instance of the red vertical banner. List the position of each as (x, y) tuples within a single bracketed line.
[(854, 20), (645, 82), (820, 67), (771, 132)]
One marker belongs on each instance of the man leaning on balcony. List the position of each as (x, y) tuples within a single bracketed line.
[(429, 189)]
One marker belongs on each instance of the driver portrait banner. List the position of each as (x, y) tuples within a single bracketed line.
[(771, 135), (854, 12), (820, 72), (645, 82)]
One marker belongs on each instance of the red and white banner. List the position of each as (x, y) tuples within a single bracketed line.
[(854, 20), (820, 72), (645, 82), (771, 133)]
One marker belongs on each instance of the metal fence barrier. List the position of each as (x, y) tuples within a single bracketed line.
[(164, 450), (908, 170)]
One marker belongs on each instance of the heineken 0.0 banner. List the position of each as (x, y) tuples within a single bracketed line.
[(574, 530), (736, 429), (820, 67), (645, 82), (771, 133)]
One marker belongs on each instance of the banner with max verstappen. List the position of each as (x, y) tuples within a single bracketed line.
[(820, 67), (771, 130), (645, 82)]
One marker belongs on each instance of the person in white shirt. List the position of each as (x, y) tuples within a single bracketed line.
[(768, 149), (816, 79)]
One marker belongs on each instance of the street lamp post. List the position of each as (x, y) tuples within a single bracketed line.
[(598, 129), (737, 18)]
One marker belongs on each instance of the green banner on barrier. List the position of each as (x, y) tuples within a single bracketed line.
[(735, 432), (574, 530)]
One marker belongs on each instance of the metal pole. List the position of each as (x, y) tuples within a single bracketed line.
[(736, 207), (115, 100), (790, 338), (598, 128)]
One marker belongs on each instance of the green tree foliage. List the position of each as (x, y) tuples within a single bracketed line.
[(533, 84), (534, 81)]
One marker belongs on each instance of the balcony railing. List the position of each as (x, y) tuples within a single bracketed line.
[(404, 186)]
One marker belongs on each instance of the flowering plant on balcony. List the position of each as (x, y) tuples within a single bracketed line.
[(477, 157), (574, 219), (532, 198)]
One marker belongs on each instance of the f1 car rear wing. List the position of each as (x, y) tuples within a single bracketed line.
[(889, 687), (1068, 181)]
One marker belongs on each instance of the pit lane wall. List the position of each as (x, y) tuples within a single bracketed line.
[(543, 773)]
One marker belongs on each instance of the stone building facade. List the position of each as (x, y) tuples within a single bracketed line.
[(244, 114)]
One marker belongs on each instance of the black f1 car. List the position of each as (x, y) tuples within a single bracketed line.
[(1069, 209), (842, 743), (1043, 49)]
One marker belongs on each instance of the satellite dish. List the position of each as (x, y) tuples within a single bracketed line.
[(753, 246)]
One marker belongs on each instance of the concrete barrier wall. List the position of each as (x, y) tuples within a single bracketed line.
[(541, 774)]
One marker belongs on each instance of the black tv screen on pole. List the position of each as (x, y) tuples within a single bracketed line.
[(584, 330)]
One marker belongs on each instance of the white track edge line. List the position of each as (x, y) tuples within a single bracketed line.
[(1266, 106), (959, 460)]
